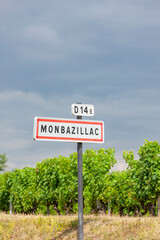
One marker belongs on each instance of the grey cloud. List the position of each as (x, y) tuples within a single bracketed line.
[(56, 53)]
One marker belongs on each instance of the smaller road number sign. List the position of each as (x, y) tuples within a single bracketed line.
[(82, 109), (53, 129)]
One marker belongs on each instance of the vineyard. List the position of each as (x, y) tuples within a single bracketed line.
[(52, 188)]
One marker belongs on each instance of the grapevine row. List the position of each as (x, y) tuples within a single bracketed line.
[(51, 187)]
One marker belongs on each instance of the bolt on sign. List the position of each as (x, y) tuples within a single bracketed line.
[(70, 130)]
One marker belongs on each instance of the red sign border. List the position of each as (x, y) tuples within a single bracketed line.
[(69, 138)]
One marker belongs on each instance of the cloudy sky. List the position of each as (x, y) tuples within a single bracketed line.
[(56, 53)]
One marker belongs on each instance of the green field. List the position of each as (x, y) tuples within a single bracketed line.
[(96, 227)]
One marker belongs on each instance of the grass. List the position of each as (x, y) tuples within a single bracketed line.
[(96, 227)]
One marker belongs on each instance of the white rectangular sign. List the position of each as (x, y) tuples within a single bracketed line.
[(82, 109), (70, 130)]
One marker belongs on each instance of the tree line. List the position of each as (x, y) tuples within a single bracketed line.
[(52, 186)]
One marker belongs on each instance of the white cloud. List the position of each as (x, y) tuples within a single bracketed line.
[(128, 121), (10, 6), (18, 111), (41, 33)]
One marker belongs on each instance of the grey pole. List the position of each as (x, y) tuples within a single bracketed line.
[(80, 189), (10, 207)]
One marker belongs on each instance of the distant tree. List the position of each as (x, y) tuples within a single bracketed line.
[(3, 160)]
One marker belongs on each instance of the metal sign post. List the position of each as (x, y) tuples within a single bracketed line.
[(69, 130), (80, 189)]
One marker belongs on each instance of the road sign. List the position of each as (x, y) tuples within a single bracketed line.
[(68, 130), (82, 109)]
